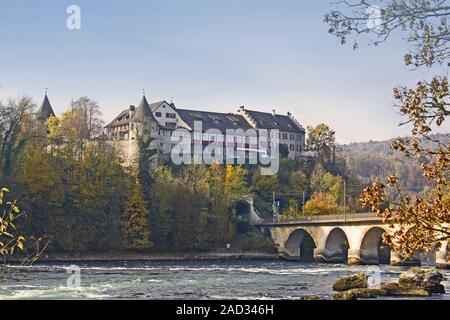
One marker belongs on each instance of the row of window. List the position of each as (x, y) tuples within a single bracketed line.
[(167, 115), (292, 137), (292, 147)]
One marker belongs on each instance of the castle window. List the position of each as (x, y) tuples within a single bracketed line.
[(292, 147), (285, 136), (158, 114)]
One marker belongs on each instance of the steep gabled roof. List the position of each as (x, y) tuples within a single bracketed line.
[(156, 105), (144, 112), (122, 118), (45, 111), (269, 121), (213, 120)]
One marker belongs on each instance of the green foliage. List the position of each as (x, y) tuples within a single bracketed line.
[(135, 229), (321, 204), (146, 158), (257, 244), (10, 238), (321, 140), (13, 241)]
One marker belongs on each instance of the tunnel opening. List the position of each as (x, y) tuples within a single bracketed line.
[(336, 246), (300, 246), (373, 251)]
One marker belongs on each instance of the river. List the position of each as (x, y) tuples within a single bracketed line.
[(188, 280)]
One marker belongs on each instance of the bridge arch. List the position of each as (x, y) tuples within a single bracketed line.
[(336, 246), (300, 244), (373, 251)]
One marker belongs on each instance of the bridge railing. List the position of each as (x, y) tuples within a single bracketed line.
[(279, 219)]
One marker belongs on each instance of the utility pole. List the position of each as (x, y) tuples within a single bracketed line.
[(345, 209), (273, 206), (303, 204)]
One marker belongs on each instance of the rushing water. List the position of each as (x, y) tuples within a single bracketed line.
[(187, 280)]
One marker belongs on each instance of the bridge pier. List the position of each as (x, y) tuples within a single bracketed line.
[(330, 255), (354, 256), (320, 255), (398, 260)]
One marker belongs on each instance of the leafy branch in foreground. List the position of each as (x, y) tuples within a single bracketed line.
[(11, 239), (418, 222), (425, 23), (421, 222)]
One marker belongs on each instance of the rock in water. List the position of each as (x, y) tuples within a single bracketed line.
[(368, 293), (346, 295), (419, 278), (355, 281), (395, 290), (311, 298)]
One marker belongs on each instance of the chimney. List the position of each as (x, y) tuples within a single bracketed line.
[(289, 114), (242, 108), (132, 108), (273, 112)]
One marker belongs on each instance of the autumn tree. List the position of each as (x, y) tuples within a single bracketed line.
[(91, 113), (327, 192), (321, 140), (135, 229), (161, 218), (422, 222), (15, 131)]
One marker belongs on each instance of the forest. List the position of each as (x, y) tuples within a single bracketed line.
[(75, 193)]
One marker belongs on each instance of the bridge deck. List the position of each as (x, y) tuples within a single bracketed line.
[(368, 217)]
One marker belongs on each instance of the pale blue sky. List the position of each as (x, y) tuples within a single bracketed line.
[(212, 55)]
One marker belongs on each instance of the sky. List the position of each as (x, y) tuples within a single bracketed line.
[(206, 55)]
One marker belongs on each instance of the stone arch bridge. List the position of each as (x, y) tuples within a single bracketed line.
[(355, 239)]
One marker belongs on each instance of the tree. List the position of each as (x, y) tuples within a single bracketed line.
[(321, 140), (15, 125), (298, 182), (235, 187), (201, 231), (146, 159), (85, 208), (327, 192), (161, 218), (135, 230), (422, 221), (91, 114)]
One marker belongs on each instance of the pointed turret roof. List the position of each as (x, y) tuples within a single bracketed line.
[(144, 112), (45, 111)]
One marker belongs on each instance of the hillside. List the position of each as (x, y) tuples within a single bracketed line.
[(375, 160)]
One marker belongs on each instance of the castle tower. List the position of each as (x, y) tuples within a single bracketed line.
[(45, 111)]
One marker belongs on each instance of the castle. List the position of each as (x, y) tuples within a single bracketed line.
[(161, 119)]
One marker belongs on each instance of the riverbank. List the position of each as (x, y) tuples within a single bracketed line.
[(168, 256)]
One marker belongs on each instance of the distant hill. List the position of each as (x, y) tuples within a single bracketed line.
[(382, 147), (376, 160)]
